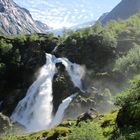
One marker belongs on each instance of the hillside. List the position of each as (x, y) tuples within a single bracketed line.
[(16, 20), (108, 55), (123, 10)]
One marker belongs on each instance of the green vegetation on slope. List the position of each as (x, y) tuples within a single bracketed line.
[(111, 53), (122, 124), (129, 63)]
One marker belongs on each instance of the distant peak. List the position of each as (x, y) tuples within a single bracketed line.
[(123, 10)]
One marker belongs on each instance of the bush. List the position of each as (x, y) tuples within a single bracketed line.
[(87, 131), (5, 47), (129, 101), (34, 37), (129, 63)]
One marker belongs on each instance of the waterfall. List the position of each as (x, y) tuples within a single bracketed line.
[(34, 111), (54, 50), (61, 109)]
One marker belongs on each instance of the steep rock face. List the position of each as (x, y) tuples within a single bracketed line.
[(62, 86), (123, 10), (15, 20)]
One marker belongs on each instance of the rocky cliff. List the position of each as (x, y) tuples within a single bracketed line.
[(15, 20)]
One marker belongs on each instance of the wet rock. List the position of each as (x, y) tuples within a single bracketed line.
[(62, 86), (5, 123), (79, 105), (89, 115)]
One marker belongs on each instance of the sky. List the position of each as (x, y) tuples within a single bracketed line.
[(67, 13)]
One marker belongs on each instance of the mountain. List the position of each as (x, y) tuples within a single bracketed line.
[(103, 16), (42, 25), (123, 10), (83, 25), (15, 19), (73, 28)]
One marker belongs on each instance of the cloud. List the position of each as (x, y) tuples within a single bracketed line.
[(63, 13)]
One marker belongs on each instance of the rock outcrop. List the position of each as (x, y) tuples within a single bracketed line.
[(5, 123), (89, 115), (62, 86)]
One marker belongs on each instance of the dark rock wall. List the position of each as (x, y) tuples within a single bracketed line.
[(62, 86)]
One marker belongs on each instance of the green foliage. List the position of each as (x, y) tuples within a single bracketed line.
[(34, 37), (5, 47), (130, 95), (97, 28), (108, 125), (129, 63), (128, 116), (21, 38), (86, 131)]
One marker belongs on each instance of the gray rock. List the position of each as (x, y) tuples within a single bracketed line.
[(15, 20), (5, 123)]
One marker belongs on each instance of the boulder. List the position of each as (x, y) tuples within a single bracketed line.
[(89, 115)]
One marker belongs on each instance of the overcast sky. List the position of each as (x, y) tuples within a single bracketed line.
[(67, 13)]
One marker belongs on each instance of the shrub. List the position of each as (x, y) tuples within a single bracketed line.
[(87, 131), (34, 37), (129, 101), (5, 47), (129, 63)]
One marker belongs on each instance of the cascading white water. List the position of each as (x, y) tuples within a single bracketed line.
[(54, 50), (34, 111), (61, 109), (75, 71)]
